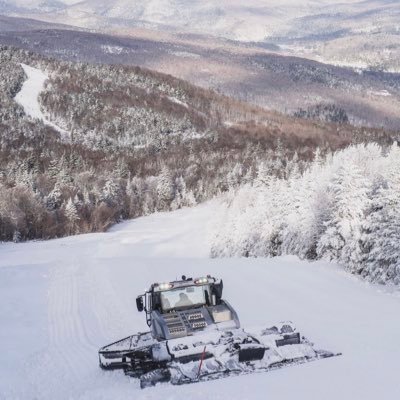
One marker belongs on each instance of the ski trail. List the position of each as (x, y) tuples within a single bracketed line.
[(84, 310), (62, 300), (28, 97), (69, 350)]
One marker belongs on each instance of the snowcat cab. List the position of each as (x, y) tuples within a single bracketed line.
[(195, 336), (186, 307)]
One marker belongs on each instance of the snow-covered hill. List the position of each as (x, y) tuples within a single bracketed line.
[(362, 34), (61, 300), (250, 20)]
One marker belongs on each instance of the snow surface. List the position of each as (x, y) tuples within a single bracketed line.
[(28, 97), (61, 300)]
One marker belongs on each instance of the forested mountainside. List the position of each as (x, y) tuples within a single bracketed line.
[(345, 208), (138, 142), (253, 73)]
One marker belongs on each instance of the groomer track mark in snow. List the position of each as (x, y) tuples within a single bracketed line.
[(28, 97)]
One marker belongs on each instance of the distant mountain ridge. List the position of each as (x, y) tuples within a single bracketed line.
[(361, 34), (253, 20), (15, 24)]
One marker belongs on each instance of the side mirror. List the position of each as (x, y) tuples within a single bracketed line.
[(218, 290), (139, 303)]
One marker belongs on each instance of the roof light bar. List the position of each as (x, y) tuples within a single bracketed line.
[(165, 286)]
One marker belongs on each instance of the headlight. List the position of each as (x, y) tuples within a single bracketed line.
[(221, 316), (165, 286)]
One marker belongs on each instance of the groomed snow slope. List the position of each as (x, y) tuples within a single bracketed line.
[(28, 97), (61, 300)]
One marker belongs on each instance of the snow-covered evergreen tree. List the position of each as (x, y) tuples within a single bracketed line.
[(165, 189), (110, 193), (72, 216), (234, 177), (16, 236), (382, 235), (263, 175), (54, 199), (342, 238), (71, 212)]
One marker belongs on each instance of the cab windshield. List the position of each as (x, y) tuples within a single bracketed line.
[(183, 297)]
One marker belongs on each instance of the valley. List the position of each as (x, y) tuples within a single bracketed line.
[(248, 72)]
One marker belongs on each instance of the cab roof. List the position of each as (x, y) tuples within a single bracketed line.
[(184, 282)]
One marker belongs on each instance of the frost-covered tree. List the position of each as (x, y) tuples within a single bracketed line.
[(110, 193), (234, 177), (382, 235), (292, 169), (165, 189), (183, 196), (71, 212), (263, 175), (72, 216), (55, 199), (342, 238), (53, 168), (17, 236), (305, 204)]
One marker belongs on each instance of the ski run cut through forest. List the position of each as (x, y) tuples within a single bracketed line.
[(28, 97), (64, 299)]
